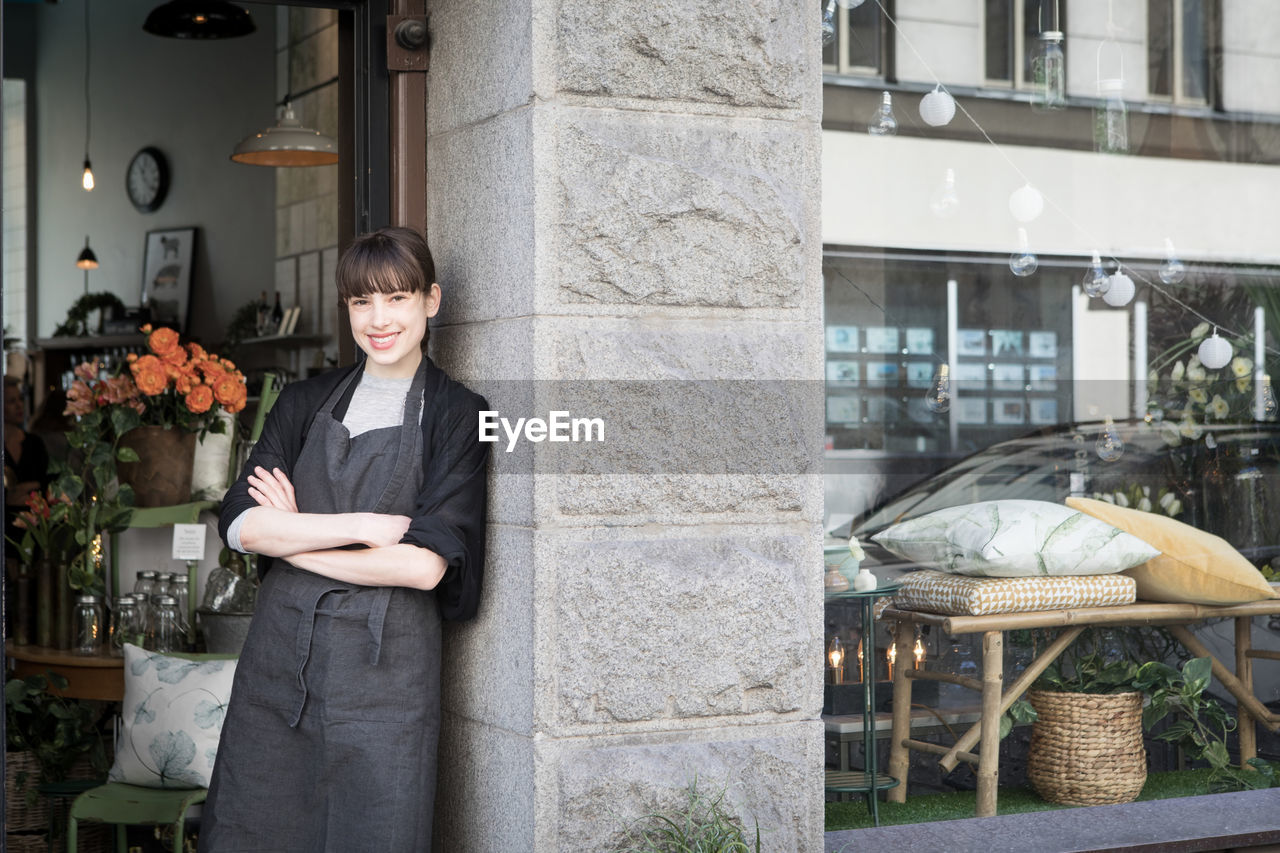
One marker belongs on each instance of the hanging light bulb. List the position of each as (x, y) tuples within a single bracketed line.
[(882, 122), (938, 397), (829, 22), (944, 202), (1023, 262), (850, 4), (1268, 408), (938, 107), (1109, 445), (86, 177), (1096, 281), (1026, 203), (835, 660), (1172, 270), (1121, 290), (1215, 352)]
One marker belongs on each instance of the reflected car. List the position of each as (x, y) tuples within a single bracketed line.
[(1223, 478)]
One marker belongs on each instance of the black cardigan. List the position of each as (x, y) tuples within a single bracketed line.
[(449, 518)]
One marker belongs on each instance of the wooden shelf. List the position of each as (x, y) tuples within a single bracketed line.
[(90, 342), (285, 341)]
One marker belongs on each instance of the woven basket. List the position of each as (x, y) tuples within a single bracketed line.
[(18, 814), (1086, 749)]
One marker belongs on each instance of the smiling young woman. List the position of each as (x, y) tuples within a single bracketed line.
[(365, 497)]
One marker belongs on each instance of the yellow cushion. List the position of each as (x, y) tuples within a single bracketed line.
[(1194, 567)]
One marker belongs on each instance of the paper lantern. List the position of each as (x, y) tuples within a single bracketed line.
[(938, 107), (1026, 203), (1214, 351), (1121, 290)]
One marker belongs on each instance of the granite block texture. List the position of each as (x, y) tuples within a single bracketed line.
[(683, 626), (687, 52), (676, 211), (769, 775)]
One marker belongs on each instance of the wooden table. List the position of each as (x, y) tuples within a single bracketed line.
[(90, 676), (986, 732)]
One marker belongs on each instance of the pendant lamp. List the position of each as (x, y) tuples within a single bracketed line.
[(199, 19), (87, 260), (287, 144)]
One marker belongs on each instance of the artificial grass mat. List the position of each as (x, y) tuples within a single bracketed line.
[(927, 808)]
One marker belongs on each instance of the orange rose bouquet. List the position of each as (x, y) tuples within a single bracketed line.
[(183, 385)]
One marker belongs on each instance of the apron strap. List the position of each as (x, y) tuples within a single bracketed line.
[(410, 432), (302, 647)]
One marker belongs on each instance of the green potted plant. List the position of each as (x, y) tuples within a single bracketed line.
[(1089, 710), (49, 733)]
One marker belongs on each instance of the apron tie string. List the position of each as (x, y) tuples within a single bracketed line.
[(306, 626), (378, 618)]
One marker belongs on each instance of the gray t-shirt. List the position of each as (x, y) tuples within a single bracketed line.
[(376, 403)]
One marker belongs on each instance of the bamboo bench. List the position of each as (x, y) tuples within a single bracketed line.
[(985, 733)]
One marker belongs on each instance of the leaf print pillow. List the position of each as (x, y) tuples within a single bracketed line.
[(1015, 539), (171, 718)]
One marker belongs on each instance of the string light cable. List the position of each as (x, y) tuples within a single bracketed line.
[(1121, 266)]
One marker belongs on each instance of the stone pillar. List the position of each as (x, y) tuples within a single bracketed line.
[(630, 191)]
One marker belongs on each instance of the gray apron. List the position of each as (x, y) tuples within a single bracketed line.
[(330, 737)]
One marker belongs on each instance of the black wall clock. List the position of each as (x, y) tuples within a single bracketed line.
[(147, 180)]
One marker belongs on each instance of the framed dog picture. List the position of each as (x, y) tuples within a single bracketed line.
[(166, 275)]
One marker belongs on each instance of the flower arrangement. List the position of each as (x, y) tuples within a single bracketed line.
[(44, 524), (1139, 497), (173, 385), (1190, 395)]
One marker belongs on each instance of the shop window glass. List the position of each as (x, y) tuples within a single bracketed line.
[(14, 216), (858, 47), (1178, 34), (998, 36), (1011, 33)]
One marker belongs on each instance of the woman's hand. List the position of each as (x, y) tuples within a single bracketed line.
[(272, 488), (380, 530)]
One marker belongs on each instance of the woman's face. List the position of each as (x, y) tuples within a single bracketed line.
[(390, 327), (14, 408)]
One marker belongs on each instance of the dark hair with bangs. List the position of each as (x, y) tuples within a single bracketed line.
[(385, 261)]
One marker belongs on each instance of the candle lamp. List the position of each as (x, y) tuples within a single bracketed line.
[(892, 656), (835, 659), (918, 651)]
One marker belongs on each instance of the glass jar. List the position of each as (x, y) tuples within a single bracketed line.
[(89, 625), (180, 588), (168, 635), (1111, 119), (143, 590), (126, 624)]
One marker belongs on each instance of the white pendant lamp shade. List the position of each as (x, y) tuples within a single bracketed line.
[(937, 108), (287, 144), (1026, 203), (1214, 351), (1121, 290)]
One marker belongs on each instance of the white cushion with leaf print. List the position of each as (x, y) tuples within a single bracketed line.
[(1015, 539), (172, 719)]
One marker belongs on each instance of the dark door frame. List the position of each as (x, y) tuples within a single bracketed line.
[(364, 125)]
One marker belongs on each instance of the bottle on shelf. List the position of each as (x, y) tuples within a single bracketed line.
[(277, 315), (169, 636), (89, 627), (264, 315)]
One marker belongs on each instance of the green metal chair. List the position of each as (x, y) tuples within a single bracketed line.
[(131, 805)]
